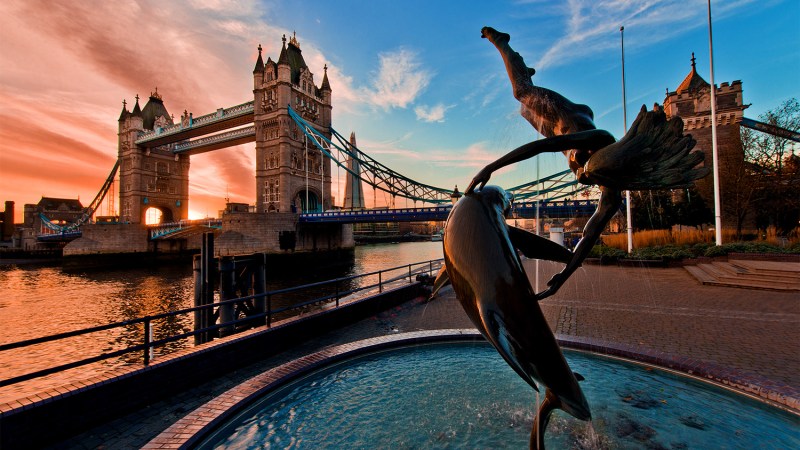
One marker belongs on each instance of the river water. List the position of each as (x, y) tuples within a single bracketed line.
[(38, 301)]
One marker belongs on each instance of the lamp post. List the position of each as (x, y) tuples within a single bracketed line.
[(625, 128), (455, 195), (714, 152)]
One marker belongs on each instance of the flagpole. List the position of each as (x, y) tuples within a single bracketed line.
[(714, 153), (625, 128)]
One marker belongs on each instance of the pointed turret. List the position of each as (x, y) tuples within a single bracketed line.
[(258, 71), (137, 111), (292, 59), (326, 86), (283, 58), (693, 82), (124, 114), (153, 110), (259, 62)]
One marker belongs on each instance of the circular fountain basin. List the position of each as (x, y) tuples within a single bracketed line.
[(463, 395)]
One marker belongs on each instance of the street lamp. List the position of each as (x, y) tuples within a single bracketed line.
[(455, 195)]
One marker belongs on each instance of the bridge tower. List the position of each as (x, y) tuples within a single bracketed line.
[(150, 177), (692, 102), (291, 173)]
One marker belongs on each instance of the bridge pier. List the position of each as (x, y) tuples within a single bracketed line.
[(246, 233)]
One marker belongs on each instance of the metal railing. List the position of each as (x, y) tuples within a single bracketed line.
[(339, 289)]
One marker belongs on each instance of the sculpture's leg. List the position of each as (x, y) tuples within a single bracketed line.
[(610, 201), (519, 73), (584, 140)]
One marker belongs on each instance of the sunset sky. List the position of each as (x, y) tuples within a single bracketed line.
[(423, 92)]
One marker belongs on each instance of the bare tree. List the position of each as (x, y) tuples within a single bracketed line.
[(773, 167)]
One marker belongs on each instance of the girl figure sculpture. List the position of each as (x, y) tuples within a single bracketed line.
[(654, 154)]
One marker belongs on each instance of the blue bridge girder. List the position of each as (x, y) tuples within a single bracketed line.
[(436, 213), (65, 236), (524, 210), (555, 208), (183, 229)]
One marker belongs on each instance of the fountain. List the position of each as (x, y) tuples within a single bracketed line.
[(461, 395)]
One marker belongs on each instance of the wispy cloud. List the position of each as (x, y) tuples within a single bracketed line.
[(590, 25), (67, 68), (399, 80), (433, 113)]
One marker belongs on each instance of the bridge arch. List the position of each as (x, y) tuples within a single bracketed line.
[(314, 203), (154, 214)]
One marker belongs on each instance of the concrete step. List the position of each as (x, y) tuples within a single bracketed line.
[(790, 269), (753, 285), (728, 268), (726, 274), (736, 275), (701, 275)]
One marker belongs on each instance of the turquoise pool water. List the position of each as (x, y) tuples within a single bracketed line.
[(464, 396)]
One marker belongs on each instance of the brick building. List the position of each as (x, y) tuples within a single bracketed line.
[(692, 102)]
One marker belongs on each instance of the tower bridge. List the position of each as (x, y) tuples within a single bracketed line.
[(289, 120), (296, 148)]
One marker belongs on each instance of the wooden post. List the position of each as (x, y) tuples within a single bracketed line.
[(260, 282), (227, 291), (199, 321)]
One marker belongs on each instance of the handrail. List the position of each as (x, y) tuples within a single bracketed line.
[(148, 344)]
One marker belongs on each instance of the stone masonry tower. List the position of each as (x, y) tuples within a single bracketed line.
[(291, 173), (150, 177), (692, 102)]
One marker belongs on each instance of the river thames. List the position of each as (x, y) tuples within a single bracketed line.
[(40, 300)]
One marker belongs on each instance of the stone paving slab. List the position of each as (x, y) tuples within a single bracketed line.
[(656, 310)]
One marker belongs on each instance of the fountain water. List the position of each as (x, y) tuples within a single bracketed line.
[(463, 396)]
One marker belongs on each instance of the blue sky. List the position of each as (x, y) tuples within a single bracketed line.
[(423, 92)]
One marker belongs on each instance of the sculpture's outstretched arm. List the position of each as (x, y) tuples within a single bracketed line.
[(610, 201), (584, 140)]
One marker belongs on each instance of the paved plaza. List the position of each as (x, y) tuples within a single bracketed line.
[(655, 309)]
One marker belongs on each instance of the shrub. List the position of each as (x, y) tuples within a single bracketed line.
[(600, 251), (715, 251)]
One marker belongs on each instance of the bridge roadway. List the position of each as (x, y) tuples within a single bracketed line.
[(526, 210)]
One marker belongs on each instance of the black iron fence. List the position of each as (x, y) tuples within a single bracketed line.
[(329, 293)]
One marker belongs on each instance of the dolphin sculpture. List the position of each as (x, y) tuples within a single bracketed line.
[(482, 264)]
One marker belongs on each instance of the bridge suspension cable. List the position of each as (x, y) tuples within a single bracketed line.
[(553, 187), (372, 172), (556, 186), (89, 211)]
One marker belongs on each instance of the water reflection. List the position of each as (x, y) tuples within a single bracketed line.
[(38, 301)]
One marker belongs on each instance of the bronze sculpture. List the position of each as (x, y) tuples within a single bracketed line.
[(480, 249), (654, 154)]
